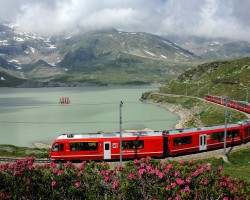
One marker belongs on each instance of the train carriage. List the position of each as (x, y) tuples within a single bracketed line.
[(246, 131), (199, 139), (106, 146), (232, 103), (243, 106), (209, 97)]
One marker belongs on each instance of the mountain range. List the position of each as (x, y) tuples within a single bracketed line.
[(104, 56)]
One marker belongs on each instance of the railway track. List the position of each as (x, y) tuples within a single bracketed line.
[(13, 160)]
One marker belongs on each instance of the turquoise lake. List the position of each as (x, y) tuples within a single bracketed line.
[(34, 115)]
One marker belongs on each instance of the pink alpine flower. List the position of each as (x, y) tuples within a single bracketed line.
[(78, 184), (178, 197), (160, 175), (173, 185), (168, 188), (170, 166), (219, 168), (11, 166), (53, 183), (147, 159), (28, 180), (107, 178), (131, 176), (79, 173), (191, 162), (180, 181), (119, 168), (136, 161), (17, 172), (84, 162), (115, 184), (53, 164), (188, 179), (149, 168), (177, 174), (81, 167), (4, 167), (142, 165), (195, 173), (187, 189), (181, 162), (46, 166), (67, 164), (208, 168), (30, 162), (60, 172)]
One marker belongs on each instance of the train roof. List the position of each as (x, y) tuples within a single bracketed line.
[(150, 133), (209, 128), (244, 102), (108, 135)]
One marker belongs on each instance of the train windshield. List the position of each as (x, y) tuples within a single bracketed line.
[(55, 147)]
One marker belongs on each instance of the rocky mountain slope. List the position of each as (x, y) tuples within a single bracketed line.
[(210, 49)]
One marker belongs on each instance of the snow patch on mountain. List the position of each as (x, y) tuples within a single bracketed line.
[(149, 53)]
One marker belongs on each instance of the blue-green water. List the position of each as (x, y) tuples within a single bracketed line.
[(28, 116)]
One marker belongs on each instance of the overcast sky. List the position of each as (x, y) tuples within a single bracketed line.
[(215, 18)]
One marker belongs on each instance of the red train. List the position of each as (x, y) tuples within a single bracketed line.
[(239, 105), (106, 146)]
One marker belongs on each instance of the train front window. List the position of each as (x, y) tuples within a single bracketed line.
[(55, 147)]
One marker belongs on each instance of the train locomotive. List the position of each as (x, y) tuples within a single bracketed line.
[(106, 146)]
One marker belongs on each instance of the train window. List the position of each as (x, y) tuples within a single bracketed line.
[(55, 147), (182, 140), (138, 144), (106, 146), (248, 131), (83, 146), (233, 133), (217, 136)]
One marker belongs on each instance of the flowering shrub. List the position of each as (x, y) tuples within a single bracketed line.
[(139, 179)]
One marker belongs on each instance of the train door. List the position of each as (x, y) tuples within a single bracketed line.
[(107, 150), (203, 142), (61, 149), (165, 146)]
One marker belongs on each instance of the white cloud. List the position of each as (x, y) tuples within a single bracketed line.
[(214, 18)]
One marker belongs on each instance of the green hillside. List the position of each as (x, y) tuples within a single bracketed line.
[(222, 78)]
